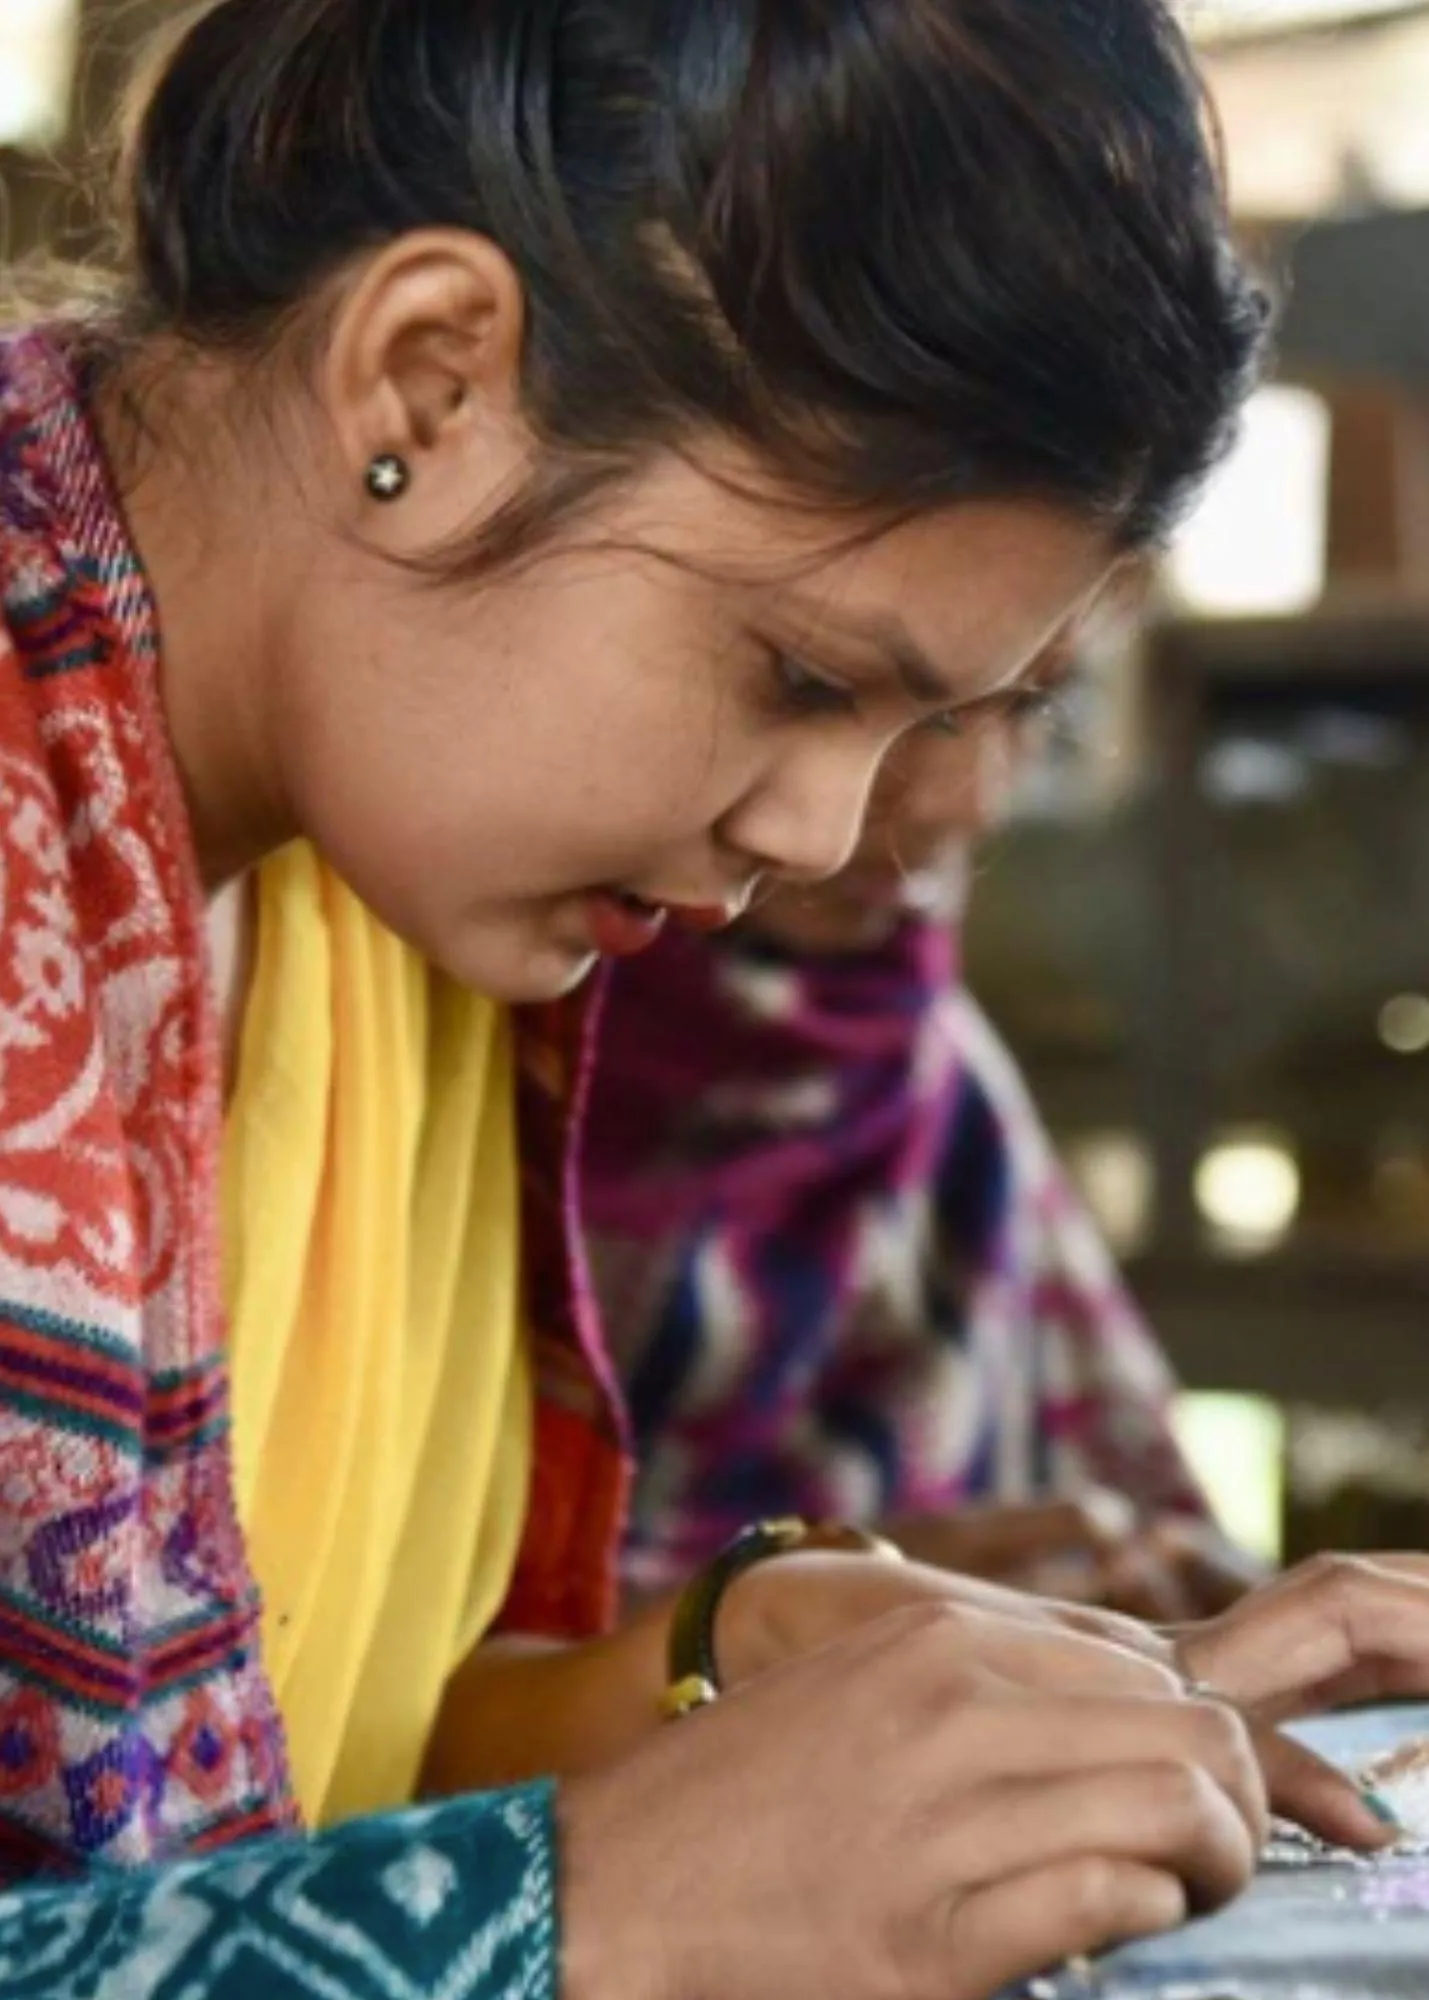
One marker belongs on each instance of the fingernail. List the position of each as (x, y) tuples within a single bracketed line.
[(1382, 1810)]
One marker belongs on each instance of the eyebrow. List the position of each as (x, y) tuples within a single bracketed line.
[(917, 671), (922, 678)]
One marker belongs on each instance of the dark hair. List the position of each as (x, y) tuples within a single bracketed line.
[(914, 251)]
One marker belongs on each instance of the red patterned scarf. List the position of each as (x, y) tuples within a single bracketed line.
[(135, 1718)]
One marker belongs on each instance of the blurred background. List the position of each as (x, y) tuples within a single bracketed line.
[(1206, 929)]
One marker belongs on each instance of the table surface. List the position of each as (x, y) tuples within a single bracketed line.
[(1332, 1931)]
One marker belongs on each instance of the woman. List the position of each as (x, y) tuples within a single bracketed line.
[(503, 468), (842, 1271)]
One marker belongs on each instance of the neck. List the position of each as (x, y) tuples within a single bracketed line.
[(215, 575)]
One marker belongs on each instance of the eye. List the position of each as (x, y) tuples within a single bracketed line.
[(1030, 703), (1055, 699), (802, 691), (948, 722)]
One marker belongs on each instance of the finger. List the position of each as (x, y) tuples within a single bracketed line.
[(1172, 1816), (1006, 1538), (1072, 1578), (1370, 1680), (1401, 1561), (1306, 1789), (1210, 1586), (1144, 1598), (1014, 1929), (1213, 1573), (1067, 1738), (1140, 1582), (1306, 1630), (1113, 1628)]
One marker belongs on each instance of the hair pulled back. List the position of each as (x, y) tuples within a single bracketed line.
[(912, 251)]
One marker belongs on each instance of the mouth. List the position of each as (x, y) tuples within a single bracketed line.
[(708, 917), (623, 923)]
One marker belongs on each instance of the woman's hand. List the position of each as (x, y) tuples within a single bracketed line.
[(797, 1603), (522, 1707), (1093, 1549), (1338, 1629), (1018, 1543), (1174, 1569), (894, 1818)]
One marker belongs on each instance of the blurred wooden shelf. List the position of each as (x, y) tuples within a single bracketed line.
[(1315, 1329), (1370, 634)]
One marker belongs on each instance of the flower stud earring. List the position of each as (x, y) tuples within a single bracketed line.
[(388, 476)]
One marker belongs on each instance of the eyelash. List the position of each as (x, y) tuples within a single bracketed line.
[(1033, 702), (804, 692), (948, 722)]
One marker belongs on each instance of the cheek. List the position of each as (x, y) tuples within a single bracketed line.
[(399, 766), (636, 742), (523, 740), (643, 697)]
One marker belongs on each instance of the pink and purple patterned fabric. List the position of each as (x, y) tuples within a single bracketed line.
[(842, 1271)]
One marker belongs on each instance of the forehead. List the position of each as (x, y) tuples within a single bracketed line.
[(976, 588), (984, 584)]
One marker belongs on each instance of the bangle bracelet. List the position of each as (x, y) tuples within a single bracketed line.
[(691, 1651), (694, 1676), (683, 1697)]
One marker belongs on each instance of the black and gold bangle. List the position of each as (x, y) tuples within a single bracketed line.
[(694, 1676)]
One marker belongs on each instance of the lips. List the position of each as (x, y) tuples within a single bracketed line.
[(704, 916), (622, 925)]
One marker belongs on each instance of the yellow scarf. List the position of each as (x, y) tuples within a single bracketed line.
[(381, 1391)]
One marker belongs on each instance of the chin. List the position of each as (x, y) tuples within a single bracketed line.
[(517, 966)]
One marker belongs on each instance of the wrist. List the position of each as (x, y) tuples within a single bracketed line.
[(756, 1615), (1191, 1650), (612, 1946), (781, 1610), (781, 1587)]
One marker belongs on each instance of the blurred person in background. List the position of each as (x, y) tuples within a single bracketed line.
[(842, 1271)]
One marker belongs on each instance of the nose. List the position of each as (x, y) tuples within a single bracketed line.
[(803, 821)]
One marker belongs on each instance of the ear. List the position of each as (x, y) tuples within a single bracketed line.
[(424, 360)]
